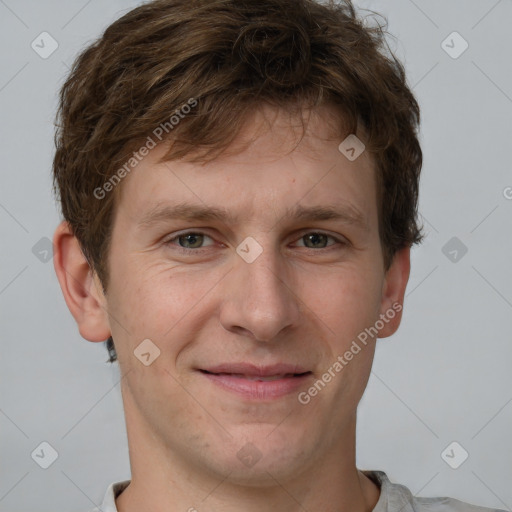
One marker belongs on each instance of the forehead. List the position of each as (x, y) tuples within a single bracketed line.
[(273, 163)]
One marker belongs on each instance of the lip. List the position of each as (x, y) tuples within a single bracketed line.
[(241, 379)]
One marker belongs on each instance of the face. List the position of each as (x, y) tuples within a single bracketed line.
[(246, 310)]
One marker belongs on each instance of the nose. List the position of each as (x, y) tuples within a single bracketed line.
[(258, 298)]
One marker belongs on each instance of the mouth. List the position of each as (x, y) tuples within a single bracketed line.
[(259, 378), (258, 383)]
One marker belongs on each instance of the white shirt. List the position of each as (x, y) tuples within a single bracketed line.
[(393, 498)]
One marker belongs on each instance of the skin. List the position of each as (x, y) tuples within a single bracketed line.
[(299, 302)]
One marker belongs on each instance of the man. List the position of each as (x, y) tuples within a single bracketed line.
[(239, 184)]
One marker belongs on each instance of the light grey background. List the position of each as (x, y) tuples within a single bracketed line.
[(444, 377)]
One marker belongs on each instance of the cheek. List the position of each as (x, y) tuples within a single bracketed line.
[(157, 302), (348, 299)]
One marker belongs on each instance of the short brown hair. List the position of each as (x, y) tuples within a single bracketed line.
[(228, 56)]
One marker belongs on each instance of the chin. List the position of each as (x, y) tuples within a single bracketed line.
[(259, 459)]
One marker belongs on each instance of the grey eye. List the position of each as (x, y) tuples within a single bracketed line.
[(192, 240), (316, 240)]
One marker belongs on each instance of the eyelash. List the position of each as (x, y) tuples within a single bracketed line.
[(184, 250)]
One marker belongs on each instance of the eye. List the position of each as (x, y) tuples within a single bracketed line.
[(189, 240), (194, 240), (316, 240)]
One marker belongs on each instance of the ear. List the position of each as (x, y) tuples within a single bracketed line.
[(393, 291), (80, 286)]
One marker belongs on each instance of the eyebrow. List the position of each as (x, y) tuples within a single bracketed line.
[(162, 212)]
